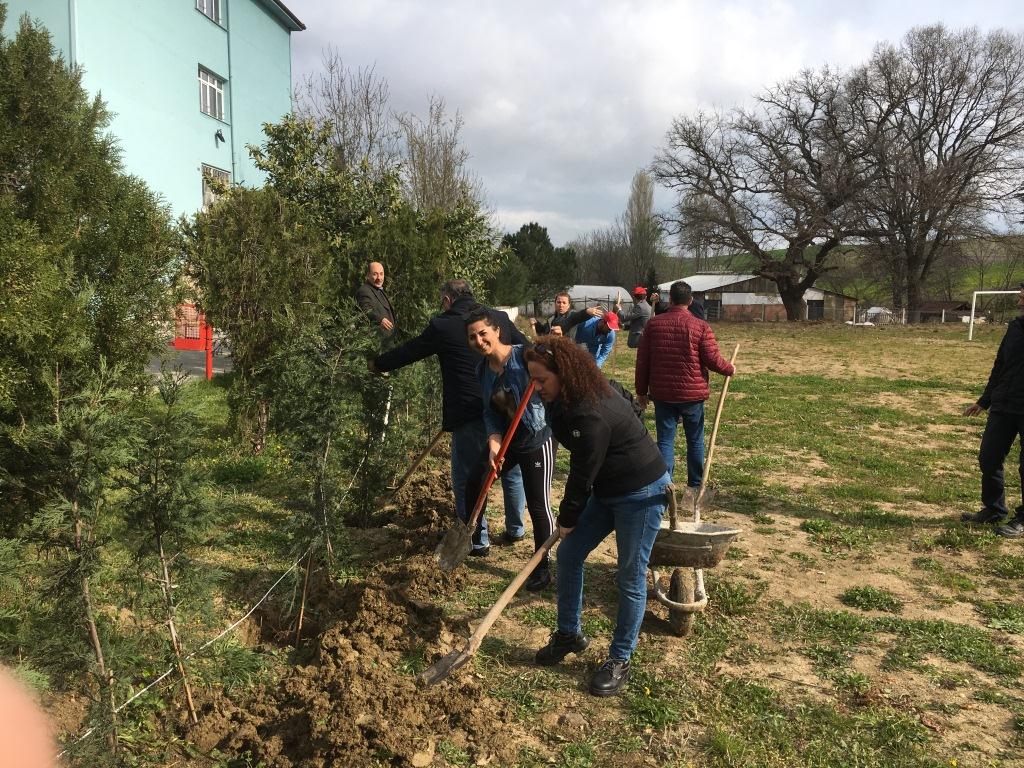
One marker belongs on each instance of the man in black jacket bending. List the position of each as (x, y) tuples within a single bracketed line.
[(462, 407), (1003, 398)]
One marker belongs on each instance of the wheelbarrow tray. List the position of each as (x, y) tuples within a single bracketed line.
[(692, 545)]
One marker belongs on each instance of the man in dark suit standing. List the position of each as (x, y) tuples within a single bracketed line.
[(374, 302)]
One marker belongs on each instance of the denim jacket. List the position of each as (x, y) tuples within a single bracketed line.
[(599, 344), (514, 379)]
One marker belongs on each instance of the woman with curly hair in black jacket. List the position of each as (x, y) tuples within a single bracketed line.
[(617, 481)]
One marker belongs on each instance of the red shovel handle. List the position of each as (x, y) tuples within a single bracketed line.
[(493, 474)]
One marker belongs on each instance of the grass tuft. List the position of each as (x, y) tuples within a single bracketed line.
[(869, 598)]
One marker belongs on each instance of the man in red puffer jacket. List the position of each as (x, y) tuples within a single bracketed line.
[(672, 363)]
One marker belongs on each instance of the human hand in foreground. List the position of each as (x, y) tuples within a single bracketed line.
[(563, 531), (597, 311), (556, 330), (642, 401), (386, 324), (973, 410)]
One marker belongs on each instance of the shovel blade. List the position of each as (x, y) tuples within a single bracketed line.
[(708, 498), (454, 547), (444, 666)]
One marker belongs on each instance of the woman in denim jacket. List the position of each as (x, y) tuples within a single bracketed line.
[(503, 382)]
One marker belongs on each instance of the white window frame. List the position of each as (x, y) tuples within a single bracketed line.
[(211, 94), (210, 9), (209, 172)]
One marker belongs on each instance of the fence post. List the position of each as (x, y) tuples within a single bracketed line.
[(209, 352)]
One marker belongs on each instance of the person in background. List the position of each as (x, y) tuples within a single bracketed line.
[(595, 329), (374, 301), (697, 308), (617, 482), (1003, 398), (559, 320), (503, 382), (637, 317), (672, 363), (657, 305), (462, 408)]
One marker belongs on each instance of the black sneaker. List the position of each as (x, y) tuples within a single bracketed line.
[(559, 646), (540, 578), (1013, 529), (508, 538), (611, 678), (983, 516), (480, 552)]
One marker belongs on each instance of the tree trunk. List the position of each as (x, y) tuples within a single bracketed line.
[(165, 585), (106, 677), (793, 301)]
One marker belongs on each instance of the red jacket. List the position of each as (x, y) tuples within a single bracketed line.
[(674, 356)]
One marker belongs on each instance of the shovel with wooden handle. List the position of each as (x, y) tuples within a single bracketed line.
[(447, 664), (458, 540), (395, 490), (703, 494)]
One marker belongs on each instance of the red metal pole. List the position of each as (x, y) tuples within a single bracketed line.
[(209, 351)]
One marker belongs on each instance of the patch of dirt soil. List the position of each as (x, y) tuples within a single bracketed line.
[(358, 702)]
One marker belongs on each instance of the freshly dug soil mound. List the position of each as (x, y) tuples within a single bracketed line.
[(358, 703)]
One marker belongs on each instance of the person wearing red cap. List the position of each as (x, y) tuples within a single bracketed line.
[(597, 334), (637, 318)]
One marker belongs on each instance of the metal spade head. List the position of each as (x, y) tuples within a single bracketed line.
[(454, 547), (707, 498), (444, 666)]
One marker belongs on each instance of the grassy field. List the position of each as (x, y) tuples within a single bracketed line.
[(855, 622)]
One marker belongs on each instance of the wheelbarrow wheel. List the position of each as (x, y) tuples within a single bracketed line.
[(680, 590)]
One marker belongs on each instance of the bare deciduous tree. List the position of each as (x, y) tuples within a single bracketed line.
[(354, 104), (601, 257), (775, 182), (947, 111), (436, 173)]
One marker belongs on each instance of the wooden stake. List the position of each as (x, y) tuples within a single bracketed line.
[(165, 585), (302, 603)]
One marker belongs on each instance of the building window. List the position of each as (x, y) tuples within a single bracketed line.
[(210, 9), (211, 94), (215, 180)]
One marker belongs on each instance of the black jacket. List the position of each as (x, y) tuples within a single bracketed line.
[(562, 321), (610, 452), (375, 303), (445, 336), (1005, 389)]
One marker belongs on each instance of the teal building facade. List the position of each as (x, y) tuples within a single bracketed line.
[(189, 82)]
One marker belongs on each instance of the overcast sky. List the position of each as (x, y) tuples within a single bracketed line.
[(563, 100)]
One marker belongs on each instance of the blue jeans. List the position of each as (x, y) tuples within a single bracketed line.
[(636, 518), (666, 417), (469, 447)]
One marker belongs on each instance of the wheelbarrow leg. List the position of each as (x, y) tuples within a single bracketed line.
[(681, 591)]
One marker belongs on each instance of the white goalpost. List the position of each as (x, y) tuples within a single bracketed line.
[(974, 304)]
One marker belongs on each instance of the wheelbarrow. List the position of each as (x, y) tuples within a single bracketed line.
[(687, 548), (690, 547)]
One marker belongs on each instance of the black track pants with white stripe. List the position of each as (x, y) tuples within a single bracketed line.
[(538, 467)]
